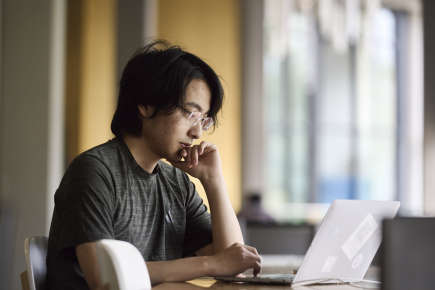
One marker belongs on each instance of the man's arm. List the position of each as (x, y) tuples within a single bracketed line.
[(225, 226), (203, 162), (232, 260)]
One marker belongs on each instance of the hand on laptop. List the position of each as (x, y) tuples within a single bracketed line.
[(234, 260)]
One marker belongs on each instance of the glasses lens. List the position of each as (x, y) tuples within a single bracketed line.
[(195, 117), (207, 123)]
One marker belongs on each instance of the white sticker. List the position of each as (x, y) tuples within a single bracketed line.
[(359, 237), (357, 261), (329, 264)]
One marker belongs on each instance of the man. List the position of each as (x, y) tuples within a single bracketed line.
[(122, 190)]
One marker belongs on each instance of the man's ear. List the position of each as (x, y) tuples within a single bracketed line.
[(145, 111)]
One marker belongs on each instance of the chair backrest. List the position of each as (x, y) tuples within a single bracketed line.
[(35, 251), (122, 266), (408, 254)]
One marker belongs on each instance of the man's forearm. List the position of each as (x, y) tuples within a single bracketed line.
[(179, 270), (225, 226)]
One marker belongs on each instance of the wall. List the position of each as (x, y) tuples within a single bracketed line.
[(30, 125), (91, 73), (211, 30)]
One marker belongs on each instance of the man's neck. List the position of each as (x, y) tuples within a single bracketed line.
[(141, 152)]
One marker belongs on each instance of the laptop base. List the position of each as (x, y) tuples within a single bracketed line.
[(268, 279)]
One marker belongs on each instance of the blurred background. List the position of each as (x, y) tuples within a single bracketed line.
[(324, 99)]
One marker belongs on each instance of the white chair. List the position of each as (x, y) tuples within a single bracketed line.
[(122, 266), (35, 252)]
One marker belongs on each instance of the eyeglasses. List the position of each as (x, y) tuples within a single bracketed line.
[(195, 117)]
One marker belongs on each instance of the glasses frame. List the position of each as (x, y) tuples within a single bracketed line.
[(194, 117)]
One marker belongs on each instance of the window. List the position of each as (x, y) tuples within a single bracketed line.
[(336, 123)]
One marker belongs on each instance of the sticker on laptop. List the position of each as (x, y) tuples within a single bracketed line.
[(357, 261), (329, 264), (359, 237)]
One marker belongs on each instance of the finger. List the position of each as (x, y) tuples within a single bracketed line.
[(203, 145), (186, 156), (195, 154), (252, 250), (257, 268), (209, 147), (192, 157), (236, 244), (181, 160), (255, 257), (182, 154)]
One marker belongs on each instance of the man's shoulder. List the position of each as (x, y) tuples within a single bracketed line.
[(102, 157), (104, 150)]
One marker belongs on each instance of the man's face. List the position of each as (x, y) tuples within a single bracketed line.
[(167, 134)]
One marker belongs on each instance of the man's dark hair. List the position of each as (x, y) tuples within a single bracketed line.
[(157, 76)]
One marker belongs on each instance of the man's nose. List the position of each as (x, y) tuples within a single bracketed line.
[(195, 131)]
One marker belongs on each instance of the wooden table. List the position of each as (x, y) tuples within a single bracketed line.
[(271, 264), (208, 283)]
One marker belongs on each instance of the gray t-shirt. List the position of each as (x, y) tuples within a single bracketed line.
[(105, 194)]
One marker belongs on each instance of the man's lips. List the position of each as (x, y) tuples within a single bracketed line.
[(184, 145)]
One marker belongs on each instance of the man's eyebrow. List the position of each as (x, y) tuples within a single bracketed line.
[(195, 105)]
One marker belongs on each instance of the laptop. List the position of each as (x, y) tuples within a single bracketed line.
[(343, 247)]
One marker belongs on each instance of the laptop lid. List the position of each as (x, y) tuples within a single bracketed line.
[(346, 241)]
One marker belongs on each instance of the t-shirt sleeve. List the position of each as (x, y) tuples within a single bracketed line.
[(198, 222), (84, 204)]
